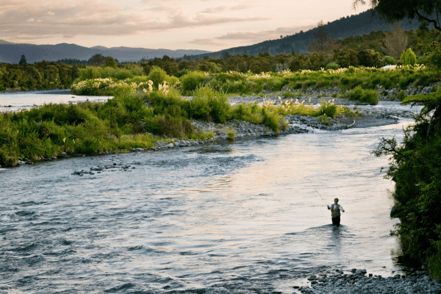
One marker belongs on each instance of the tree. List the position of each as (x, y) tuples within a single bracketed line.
[(369, 58), (110, 62), (324, 43), (97, 60), (408, 57), (346, 57), (393, 10), (396, 40), (415, 169), (23, 60)]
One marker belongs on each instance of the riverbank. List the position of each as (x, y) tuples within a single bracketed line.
[(238, 130), (359, 281)]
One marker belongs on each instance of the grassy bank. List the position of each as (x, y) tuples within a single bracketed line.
[(354, 83), (132, 120), (416, 170)]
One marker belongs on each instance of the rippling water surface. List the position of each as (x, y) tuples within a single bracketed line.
[(241, 217), (26, 100)]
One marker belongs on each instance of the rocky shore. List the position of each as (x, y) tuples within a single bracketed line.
[(359, 281), (383, 93)]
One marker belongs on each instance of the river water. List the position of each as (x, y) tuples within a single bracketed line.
[(240, 218), (26, 100)]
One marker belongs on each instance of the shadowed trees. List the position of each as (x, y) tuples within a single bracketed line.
[(323, 43), (97, 60), (423, 10)]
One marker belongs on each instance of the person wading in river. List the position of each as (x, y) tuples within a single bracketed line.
[(335, 212)]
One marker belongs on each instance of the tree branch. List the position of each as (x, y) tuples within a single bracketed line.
[(435, 23)]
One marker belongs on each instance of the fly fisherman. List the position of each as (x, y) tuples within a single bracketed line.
[(335, 212)]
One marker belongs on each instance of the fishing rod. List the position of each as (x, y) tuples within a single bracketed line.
[(320, 195)]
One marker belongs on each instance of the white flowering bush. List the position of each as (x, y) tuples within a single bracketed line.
[(109, 86)]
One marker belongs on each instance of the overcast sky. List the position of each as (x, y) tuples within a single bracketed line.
[(172, 24)]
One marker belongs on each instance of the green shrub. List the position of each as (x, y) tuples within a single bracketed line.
[(271, 120), (389, 60), (158, 76), (231, 134), (298, 85), (435, 59), (401, 96), (291, 94), (123, 74), (324, 119), (192, 80), (89, 146), (327, 108), (247, 112), (369, 58), (332, 65), (365, 96), (408, 57), (404, 82), (175, 127), (209, 106), (345, 81)]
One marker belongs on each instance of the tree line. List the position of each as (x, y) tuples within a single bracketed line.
[(38, 76)]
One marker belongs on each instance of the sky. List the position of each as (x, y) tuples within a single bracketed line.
[(210, 25)]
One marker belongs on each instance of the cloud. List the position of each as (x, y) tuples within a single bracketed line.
[(251, 37), (34, 19), (219, 9), (207, 41)]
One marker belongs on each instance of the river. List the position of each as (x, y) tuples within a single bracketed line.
[(219, 218)]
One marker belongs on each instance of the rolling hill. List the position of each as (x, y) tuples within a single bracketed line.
[(360, 24), (11, 53)]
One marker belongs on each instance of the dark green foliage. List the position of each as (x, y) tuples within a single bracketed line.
[(424, 10), (39, 76), (365, 96), (416, 171), (297, 62), (389, 60), (346, 57), (401, 96), (97, 60), (369, 58), (330, 109), (316, 61), (210, 106), (157, 75), (435, 59), (332, 65), (22, 60), (175, 127), (110, 62), (271, 120)]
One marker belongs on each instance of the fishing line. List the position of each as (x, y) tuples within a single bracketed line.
[(320, 195)]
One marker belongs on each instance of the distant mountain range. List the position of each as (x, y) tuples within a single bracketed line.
[(11, 52), (360, 24)]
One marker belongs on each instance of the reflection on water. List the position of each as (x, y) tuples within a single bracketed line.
[(26, 100), (231, 218)]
